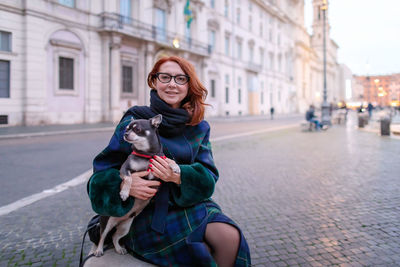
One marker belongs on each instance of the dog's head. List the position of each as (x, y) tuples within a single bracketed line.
[(142, 134)]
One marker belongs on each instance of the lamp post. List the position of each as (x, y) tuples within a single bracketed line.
[(325, 116)]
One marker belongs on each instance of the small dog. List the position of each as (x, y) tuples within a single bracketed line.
[(143, 136)]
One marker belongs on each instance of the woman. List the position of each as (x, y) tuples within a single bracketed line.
[(192, 231)]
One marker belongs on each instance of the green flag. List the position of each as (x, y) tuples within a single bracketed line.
[(188, 14)]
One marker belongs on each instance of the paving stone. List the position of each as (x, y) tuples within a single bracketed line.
[(312, 199)]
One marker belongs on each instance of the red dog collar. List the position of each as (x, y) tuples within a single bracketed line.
[(141, 155)]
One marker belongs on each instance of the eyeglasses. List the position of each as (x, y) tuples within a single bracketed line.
[(180, 79)]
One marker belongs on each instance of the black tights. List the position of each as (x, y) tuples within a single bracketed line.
[(223, 241)]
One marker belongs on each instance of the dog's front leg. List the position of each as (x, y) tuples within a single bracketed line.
[(125, 175)]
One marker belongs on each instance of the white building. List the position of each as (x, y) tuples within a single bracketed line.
[(82, 61)]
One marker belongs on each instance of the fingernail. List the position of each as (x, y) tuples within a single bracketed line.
[(164, 157), (150, 165), (151, 160), (148, 169)]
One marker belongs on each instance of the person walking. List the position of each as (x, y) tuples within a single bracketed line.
[(370, 107), (271, 111), (193, 229)]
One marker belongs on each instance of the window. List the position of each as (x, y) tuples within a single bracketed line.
[(70, 3), (66, 73), (227, 44), (271, 61), (262, 98), (4, 79), (279, 63), (261, 29), (238, 16), (250, 23), (239, 90), (239, 50), (227, 88), (125, 10), (5, 41), (211, 41), (251, 54), (161, 24), (212, 3), (261, 57), (127, 79), (212, 88), (226, 9)]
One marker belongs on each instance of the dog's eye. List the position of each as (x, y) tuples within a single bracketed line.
[(136, 130)]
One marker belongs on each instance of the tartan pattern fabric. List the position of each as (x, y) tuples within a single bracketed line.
[(190, 208)]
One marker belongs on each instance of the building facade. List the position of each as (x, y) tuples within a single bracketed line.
[(81, 61), (379, 90)]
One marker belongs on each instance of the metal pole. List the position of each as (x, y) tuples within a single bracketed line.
[(325, 116)]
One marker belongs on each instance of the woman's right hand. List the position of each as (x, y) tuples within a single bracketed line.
[(142, 188)]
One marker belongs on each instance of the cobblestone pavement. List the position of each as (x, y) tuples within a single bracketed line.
[(301, 198)]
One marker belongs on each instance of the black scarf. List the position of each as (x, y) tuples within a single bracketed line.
[(174, 120)]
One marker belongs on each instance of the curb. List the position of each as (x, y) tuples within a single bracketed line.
[(38, 134)]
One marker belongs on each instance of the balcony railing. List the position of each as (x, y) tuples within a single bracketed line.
[(251, 66), (141, 30)]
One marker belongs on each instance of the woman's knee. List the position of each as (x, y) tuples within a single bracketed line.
[(220, 234)]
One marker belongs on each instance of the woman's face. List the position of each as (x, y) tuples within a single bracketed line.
[(171, 92)]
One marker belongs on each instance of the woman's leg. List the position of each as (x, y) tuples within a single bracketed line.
[(223, 240)]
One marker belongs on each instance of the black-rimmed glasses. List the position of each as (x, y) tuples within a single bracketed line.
[(180, 79)]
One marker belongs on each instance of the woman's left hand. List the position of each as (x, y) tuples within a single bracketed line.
[(160, 167)]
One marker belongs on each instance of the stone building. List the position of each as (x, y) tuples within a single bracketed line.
[(380, 90), (82, 61)]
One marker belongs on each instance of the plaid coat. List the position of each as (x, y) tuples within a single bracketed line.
[(190, 207)]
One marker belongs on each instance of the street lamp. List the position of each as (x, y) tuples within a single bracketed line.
[(325, 116)]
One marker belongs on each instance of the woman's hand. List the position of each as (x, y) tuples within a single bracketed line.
[(142, 188), (161, 168)]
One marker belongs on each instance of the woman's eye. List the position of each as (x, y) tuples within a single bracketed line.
[(181, 78)]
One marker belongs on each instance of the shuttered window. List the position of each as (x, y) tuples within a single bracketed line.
[(5, 41), (66, 73), (4, 79), (127, 79)]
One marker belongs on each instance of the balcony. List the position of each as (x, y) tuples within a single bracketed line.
[(140, 30), (253, 67)]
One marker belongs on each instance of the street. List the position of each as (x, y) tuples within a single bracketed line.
[(301, 198)]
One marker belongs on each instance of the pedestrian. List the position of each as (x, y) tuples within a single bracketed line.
[(370, 107), (271, 111), (195, 229), (310, 116)]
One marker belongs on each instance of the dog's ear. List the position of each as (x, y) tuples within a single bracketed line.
[(156, 120)]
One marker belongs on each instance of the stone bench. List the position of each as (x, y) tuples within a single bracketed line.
[(111, 258)]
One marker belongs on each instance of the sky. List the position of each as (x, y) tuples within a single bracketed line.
[(367, 32)]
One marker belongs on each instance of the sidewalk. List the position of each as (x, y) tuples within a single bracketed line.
[(43, 130), (374, 125)]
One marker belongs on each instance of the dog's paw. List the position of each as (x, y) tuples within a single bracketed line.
[(98, 252), (124, 195), (121, 250)]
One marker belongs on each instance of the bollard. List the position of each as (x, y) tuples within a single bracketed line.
[(361, 122), (385, 126)]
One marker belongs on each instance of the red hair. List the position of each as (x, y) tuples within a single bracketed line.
[(197, 93)]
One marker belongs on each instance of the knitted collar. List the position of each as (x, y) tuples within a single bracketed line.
[(174, 119)]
